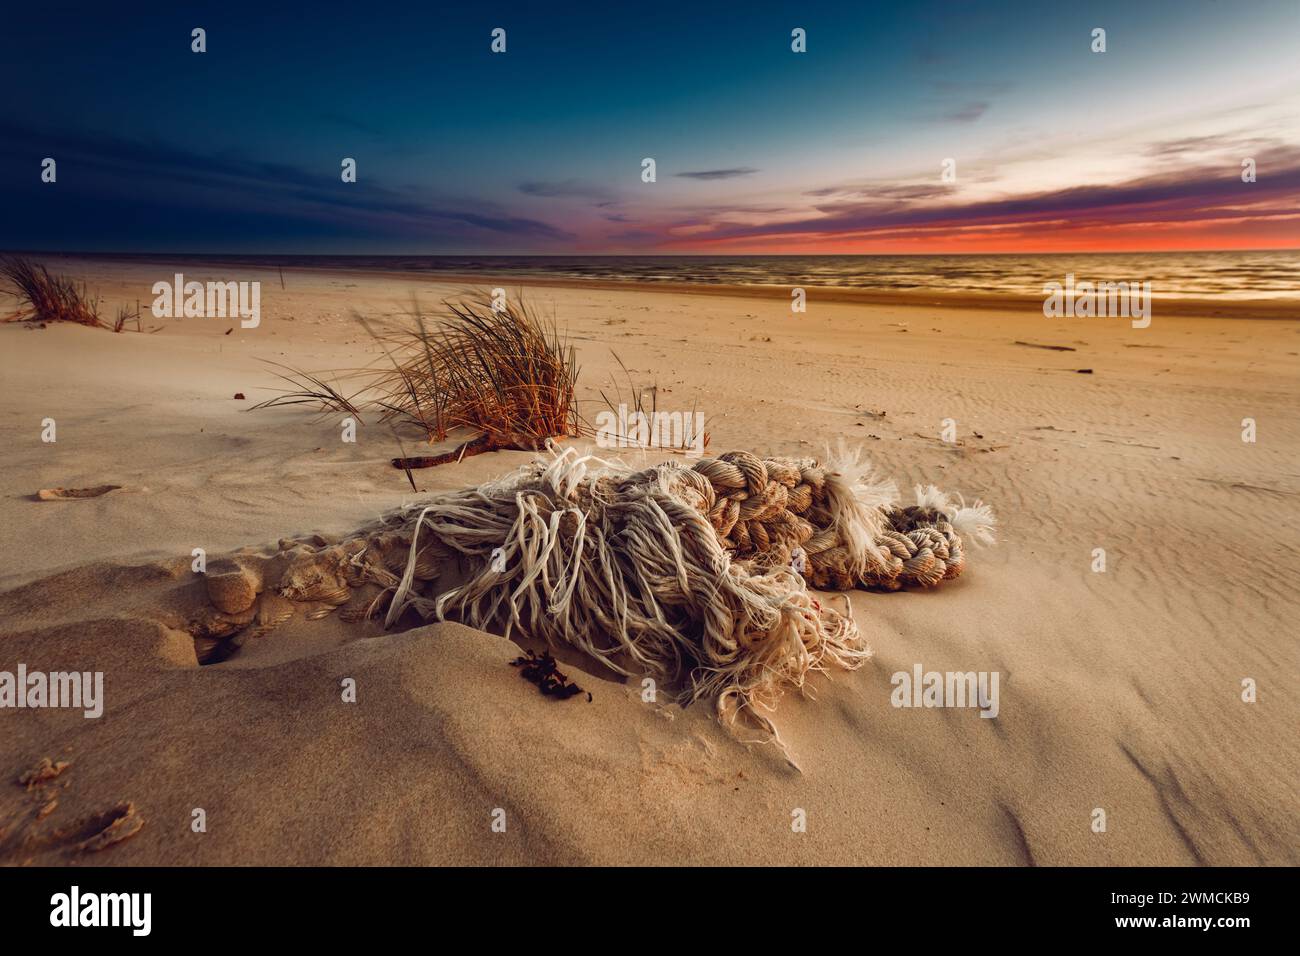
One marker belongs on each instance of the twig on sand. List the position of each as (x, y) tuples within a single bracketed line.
[(475, 446), (1054, 348)]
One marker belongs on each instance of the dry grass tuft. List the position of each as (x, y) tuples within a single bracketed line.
[(43, 297), (638, 426), (309, 388), (507, 374)]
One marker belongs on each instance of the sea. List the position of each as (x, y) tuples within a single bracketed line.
[(1232, 275)]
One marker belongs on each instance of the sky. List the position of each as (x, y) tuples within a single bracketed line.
[(757, 148)]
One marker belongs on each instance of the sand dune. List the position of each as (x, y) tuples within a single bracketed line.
[(1120, 690)]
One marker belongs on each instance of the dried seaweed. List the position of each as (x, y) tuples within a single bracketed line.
[(542, 671)]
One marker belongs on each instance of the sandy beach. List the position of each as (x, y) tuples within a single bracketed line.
[(1121, 689)]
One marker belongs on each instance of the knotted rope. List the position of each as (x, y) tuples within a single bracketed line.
[(695, 574), (766, 511)]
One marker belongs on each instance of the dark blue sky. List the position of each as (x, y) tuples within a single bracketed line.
[(539, 149)]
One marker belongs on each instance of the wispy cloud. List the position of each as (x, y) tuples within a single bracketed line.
[(967, 112), (196, 183), (905, 191), (567, 189), (710, 174), (1188, 195), (1239, 143), (350, 122)]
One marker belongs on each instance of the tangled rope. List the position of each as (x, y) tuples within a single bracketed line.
[(697, 574), (768, 511)]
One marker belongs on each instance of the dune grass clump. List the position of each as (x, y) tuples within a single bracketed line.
[(44, 297), (503, 372), (496, 368), (125, 315)]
